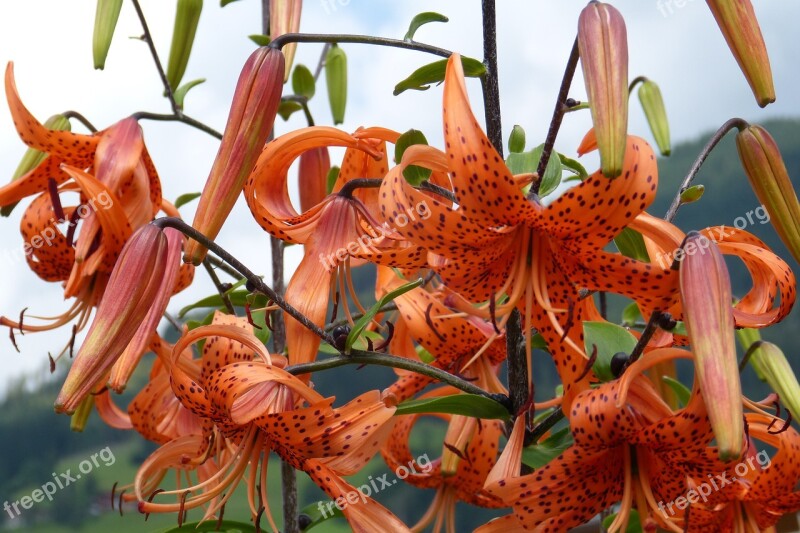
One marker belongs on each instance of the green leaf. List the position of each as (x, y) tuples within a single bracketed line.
[(680, 390), (226, 526), (287, 107), (333, 175), (364, 321), (538, 455), (421, 19), (692, 194), (184, 199), (573, 166), (630, 243), (634, 523), (538, 343), (260, 40), (313, 512), (223, 3), (471, 405), (609, 339), (422, 78), (303, 82), (238, 298), (516, 141), (631, 315), (424, 355), (413, 174), (180, 92), (528, 162)]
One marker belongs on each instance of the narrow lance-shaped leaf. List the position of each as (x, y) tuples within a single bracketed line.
[(420, 20), (33, 157), (336, 80), (423, 77), (364, 321), (105, 22), (705, 288), (471, 405), (413, 173), (303, 83), (180, 93), (606, 339), (187, 17)]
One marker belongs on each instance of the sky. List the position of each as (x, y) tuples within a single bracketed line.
[(674, 42)]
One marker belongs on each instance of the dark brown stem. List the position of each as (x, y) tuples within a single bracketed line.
[(533, 436), (219, 286), (518, 389), (489, 81), (148, 38), (80, 118), (287, 38), (558, 116), (704, 153), (177, 117)]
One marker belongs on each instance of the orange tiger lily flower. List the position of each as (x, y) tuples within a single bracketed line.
[(764, 487), (247, 404), (502, 247), (336, 232), (642, 459)]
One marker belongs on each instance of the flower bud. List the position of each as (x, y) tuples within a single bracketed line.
[(336, 80), (739, 26), (284, 17), (771, 365), (105, 22), (708, 315), (769, 178), (255, 104), (313, 177), (133, 286), (34, 157), (653, 106), (186, 18), (603, 45)]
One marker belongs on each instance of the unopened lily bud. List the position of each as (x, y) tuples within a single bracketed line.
[(284, 17), (105, 22), (708, 315), (132, 288), (603, 45), (187, 17), (34, 157), (253, 111), (773, 367), (313, 176), (336, 80), (764, 166), (656, 113), (739, 26)]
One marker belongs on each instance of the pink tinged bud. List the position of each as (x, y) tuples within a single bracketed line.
[(708, 315), (255, 104), (739, 26), (313, 176), (603, 46), (132, 288), (284, 17), (764, 166), (126, 364)]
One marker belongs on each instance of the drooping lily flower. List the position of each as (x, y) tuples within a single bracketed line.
[(512, 252), (247, 405), (343, 227), (643, 459)]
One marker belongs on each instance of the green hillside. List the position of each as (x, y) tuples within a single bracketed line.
[(38, 443)]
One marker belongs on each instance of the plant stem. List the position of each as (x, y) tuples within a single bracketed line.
[(254, 280), (303, 101), (148, 38), (360, 357), (80, 118), (533, 436), (489, 81), (177, 117), (321, 62), (518, 388), (558, 116), (704, 153), (218, 285), (287, 38)]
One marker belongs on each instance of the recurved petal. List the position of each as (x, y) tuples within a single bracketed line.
[(485, 188), (72, 148)]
